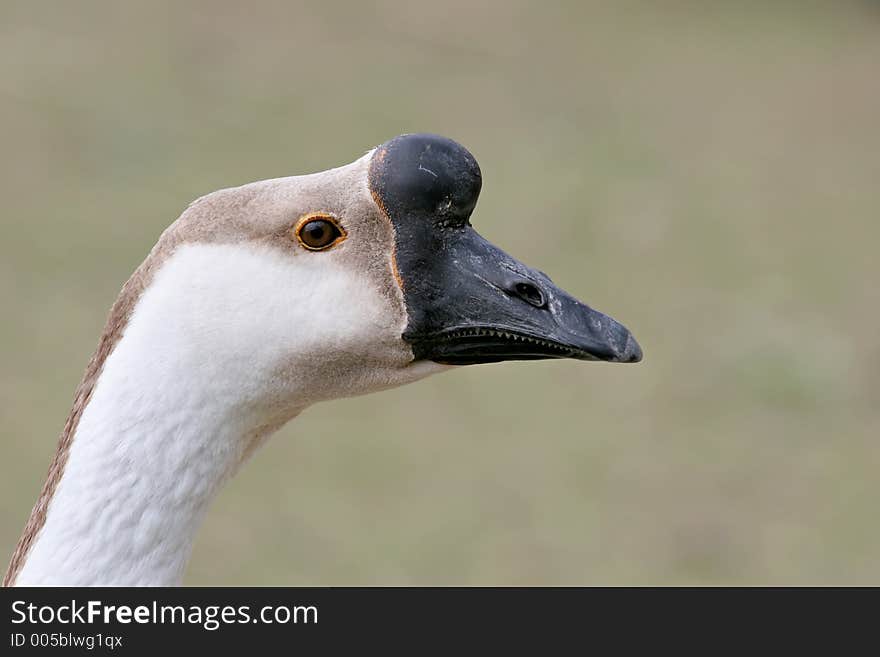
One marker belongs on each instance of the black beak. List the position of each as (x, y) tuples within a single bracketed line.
[(491, 308), (468, 301)]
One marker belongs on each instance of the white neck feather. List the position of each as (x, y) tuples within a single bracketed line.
[(144, 465), (206, 369)]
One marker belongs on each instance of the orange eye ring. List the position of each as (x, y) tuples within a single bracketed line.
[(318, 231)]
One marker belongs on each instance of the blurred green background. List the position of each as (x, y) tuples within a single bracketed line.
[(706, 172)]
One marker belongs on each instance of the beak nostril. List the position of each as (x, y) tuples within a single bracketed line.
[(530, 294)]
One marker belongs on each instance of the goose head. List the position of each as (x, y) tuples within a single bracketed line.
[(259, 301), (360, 278)]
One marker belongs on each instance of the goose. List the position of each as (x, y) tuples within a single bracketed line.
[(259, 301)]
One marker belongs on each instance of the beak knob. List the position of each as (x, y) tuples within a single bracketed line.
[(425, 175)]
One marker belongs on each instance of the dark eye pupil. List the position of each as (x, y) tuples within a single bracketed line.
[(316, 230)]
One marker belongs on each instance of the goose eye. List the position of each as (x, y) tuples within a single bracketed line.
[(319, 232)]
